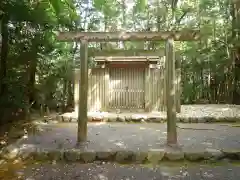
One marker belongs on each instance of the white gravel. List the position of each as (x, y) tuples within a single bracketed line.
[(210, 110), (187, 111)]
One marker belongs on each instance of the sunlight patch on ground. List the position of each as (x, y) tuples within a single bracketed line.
[(120, 144), (207, 143), (226, 109), (99, 123), (10, 169), (102, 177)]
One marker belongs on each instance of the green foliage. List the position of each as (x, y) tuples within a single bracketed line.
[(33, 51), (140, 5)]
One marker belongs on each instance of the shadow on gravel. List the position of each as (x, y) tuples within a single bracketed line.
[(109, 171)]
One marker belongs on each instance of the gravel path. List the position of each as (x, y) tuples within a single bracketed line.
[(121, 136), (129, 172), (215, 110)]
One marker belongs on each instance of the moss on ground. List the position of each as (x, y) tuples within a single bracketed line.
[(9, 170)]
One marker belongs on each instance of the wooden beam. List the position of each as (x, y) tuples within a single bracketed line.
[(138, 65), (184, 35), (83, 93), (170, 93), (122, 52), (128, 58)]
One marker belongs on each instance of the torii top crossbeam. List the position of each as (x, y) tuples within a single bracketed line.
[(184, 35)]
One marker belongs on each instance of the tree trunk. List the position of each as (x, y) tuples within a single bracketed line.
[(236, 51), (70, 94), (31, 80), (64, 95), (70, 97), (123, 19), (203, 84), (4, 54), (31, 73)]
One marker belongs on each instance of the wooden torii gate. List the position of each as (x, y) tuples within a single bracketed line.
[(168, 36)]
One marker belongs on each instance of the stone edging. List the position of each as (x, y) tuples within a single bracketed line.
[(141, 119), (123, 156)]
